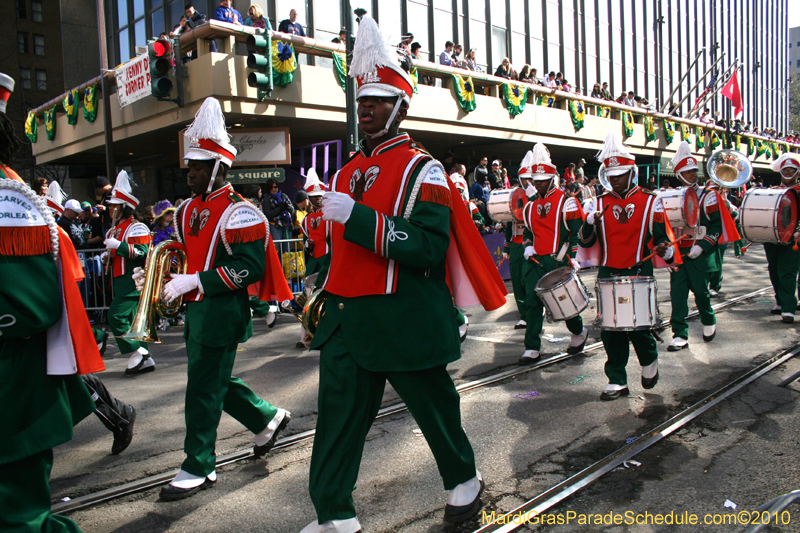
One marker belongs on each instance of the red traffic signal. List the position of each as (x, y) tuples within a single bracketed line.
[(160, 48)]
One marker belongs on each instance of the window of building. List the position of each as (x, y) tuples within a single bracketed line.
[(22, 42), (36, 11), (417, 24), (25, 76), (38, 45), (22, 12), (41, 80), (798, 63)]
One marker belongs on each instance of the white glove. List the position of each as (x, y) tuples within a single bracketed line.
[(575, 265), (138, 278), (796, 235), (337, 207), (695, 252), (104, 257), (505, 255), (529, 252), (669, 253), (111, 243), (180, 285), (590, 219)]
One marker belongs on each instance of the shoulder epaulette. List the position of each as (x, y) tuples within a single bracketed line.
[(234, 197), (416, 146)]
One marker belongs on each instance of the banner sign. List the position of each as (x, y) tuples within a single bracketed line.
[(254, 147), (255, 175), (133, 80)]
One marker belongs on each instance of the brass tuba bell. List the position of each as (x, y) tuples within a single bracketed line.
[(313, 302), (729, 168), (165, 258)]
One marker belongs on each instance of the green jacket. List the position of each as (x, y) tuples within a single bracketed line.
[(39, 410), (414, 328), (124, 286), (711, 221)]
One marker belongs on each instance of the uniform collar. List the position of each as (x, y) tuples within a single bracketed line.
[(394, 142), (219, 192), (633, 190)]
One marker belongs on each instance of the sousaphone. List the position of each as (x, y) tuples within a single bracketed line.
[(729, 169)]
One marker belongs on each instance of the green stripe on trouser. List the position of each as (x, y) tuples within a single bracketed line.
[(516, 266), (211, 389), (25, 497), (534, 306), (715, 276), (120, 315), (689, 276), (349, 399), (616, 343), (783, 264)]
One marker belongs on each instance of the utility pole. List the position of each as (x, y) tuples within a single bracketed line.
[(105, 88)]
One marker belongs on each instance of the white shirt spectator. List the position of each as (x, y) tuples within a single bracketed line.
[(445, 58), (550, 82)]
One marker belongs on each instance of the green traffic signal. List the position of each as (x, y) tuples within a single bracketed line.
[(259, 59)]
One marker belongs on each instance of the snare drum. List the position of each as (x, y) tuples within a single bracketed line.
[(769, 215), (505, 205), (681, 207), (627, 303), (563, 294)]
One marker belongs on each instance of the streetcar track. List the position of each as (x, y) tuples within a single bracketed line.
[(139, 485), (516, 518)]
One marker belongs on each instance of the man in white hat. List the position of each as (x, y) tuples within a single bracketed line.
[(513, 249), (550, 241), (315, 230), (626, 222), (389, 209), (783, 262), (697, 252), (225, 238), (127, 244)]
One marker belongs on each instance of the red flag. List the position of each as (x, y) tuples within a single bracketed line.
[(731, 92)]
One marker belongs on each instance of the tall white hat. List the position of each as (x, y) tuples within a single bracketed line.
[(122, 193)]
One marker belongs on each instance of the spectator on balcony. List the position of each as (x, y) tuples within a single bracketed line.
[(565, 86), (405, 41), (291, 26), (630, 99), (256, 18), (535, 77), (550, 81), (525, 74), (469, 59), (342, 38), (606, 92), (621, 98), (504, 70), (226, 13), (179, 28), (646, 105), (596, 92), (193, 20), (457, 51), (446, 57), (704, 117)]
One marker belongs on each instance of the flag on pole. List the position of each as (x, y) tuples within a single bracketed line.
[(709, 87), (731, 92)]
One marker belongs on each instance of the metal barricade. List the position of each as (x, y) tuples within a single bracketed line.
[(290, 252), (97, 289)]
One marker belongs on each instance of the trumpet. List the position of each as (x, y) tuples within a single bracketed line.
[(313, 302), (166, 257)]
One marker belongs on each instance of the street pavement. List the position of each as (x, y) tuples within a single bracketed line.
[(524, 442)]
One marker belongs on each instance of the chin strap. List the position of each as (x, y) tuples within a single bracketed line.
[(389, 122), (213, 177)]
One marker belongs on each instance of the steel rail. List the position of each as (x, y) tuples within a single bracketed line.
[(150, 482), (546, 500)]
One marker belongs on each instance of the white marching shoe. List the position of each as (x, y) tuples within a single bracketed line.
[(577, 342), (529, 357), (713, 293), (464, 501), (185, 485), (349, 525), (709, 332), (677, 344), (521, 325), (463, 329), (140, 362)]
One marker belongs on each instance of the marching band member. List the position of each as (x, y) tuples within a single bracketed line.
[(715, 275), (624, 222), (783, 262), (315, 230), (552, 221), (390, 207), (225, 238), (698, 253), (127, 244), (513, 250), (45, 340)]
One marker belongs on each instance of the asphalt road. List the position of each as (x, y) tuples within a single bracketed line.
[(524, 443)]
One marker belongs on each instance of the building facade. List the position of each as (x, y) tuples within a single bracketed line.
[(644, 46), (794, 51)]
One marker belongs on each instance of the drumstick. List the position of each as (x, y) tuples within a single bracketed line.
[(676, 241), (601, 213)]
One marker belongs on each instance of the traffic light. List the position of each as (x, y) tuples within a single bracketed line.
[(259, 58), (160, 54)]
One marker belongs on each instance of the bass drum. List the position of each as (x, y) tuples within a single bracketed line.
[(769, 215), (627, 303), (681, 207), (563, 294), (506, 205)]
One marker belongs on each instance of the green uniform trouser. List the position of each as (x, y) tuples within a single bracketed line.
[(783, 264), (349, 399), (258, 307), (99, 335), (533, 315), (616, 343), (25, 497), (120, 315), (715, 276), (689, 276), (516, 265), (211, 389)]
